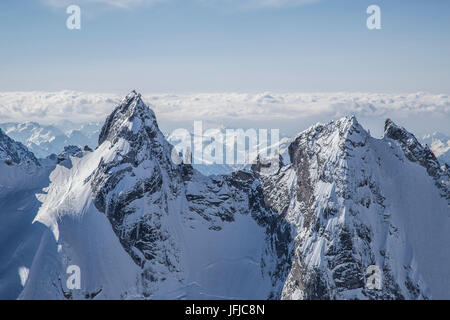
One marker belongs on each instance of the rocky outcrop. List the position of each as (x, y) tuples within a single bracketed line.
[(14, 153), (422, 155)]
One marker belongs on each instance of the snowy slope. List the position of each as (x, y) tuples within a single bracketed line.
[(77, 234), (21, 177)]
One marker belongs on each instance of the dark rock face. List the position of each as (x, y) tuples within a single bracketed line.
[(13, 152), (340, 254), (300, 160), (415, 152), (69, 151), (161, 182)]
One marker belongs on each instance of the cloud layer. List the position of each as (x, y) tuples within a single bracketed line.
[(233, 109)]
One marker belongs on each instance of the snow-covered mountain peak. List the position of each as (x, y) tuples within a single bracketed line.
[(346, 127), (128, 120), (349, 129), (335, 136), (169, 218), (352, 199)]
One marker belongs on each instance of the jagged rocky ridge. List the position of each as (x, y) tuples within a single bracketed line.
[(357, 201), (141, 226), (415, 152)]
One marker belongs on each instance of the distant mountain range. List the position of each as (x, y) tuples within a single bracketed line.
[(440, 145), (44, 140)]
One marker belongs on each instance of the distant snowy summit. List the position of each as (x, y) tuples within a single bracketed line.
[(439, 143), (347, 216), (44, 140)]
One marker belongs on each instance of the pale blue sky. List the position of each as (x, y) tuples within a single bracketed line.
[(216, 46)]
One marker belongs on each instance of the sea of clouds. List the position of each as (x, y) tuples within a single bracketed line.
[(291, 112)]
